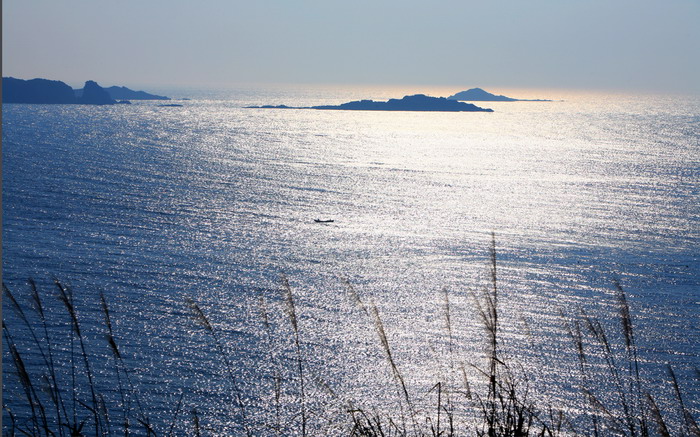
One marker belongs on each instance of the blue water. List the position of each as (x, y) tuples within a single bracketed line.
[(211, 201)]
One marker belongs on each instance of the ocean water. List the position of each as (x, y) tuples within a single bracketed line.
[(214, 202)]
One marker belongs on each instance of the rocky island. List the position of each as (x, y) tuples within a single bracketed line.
[(479, 95), (57, 92), (52, 92), (124, 93), (93, 94), (36, 91), (418, 102)]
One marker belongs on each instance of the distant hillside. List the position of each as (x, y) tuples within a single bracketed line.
[(36, 91), (124, 93), (52, 92), (479, 95)]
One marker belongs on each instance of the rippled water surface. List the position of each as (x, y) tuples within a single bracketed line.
[(211, 201)]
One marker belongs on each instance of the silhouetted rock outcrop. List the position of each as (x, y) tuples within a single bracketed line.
[(122, 92), (36, 91), (418, 102), (479, 95), (93, 94), (52, 91)]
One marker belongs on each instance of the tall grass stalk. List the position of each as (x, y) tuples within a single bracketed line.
[(487, 308), (448, 324), (48, 360), (203, 320), (576, 336), (384, 341), (46, 381), (502, 402), (66, 297), (691, 427), (195, 421), (292, 314), (447, 378), (661, 427), (506, 409), (638, 408), (119, 362), (354, 295), (121, 367), (638, 404), (277, 378), (56, 395), (621, 424), (177, 412), (13, 420), (29, 390)]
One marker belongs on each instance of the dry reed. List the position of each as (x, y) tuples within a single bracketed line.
[(502, 402)]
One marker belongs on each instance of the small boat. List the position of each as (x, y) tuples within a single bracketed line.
[(324, 221)]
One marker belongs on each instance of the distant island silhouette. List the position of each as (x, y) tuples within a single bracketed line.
[(52, 91), (36, 91), (124, 93), (93, 94), (418, 102), (56, 92), (479, 95)]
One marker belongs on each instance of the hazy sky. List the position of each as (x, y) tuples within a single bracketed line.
[(601, 44)]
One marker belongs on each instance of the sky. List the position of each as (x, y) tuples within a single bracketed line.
[(639, 45)]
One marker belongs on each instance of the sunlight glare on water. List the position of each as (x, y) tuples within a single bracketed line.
[(216, 202)]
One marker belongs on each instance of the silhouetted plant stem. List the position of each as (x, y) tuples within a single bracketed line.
[(355, 296), (487, 307), (501, 400), (66, 296), (379, 326), (448, 324), (126, 407), (689, 423), (48, 360), (273, 359), (24, 377), (177, 411), (204, 321), (657, 417), (13, 420), (107, 428), (577, 339), (493, 311), (631, 346), (291, 312), (436, 432), (195, 419), (58, 399)]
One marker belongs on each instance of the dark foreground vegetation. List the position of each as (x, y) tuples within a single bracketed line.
[(60, 396)]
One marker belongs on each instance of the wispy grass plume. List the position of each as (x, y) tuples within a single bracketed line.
[(66, 297), (292, 314), (203, 320)]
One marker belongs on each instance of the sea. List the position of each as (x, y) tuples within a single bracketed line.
[(236, 312)]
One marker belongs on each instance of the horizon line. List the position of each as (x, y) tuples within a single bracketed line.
[(491, 87)]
